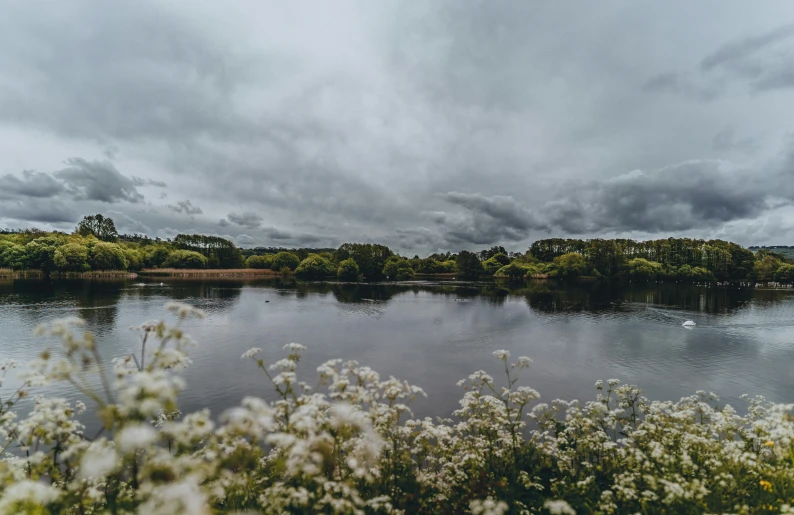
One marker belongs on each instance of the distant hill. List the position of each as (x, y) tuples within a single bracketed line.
[(785, 250)]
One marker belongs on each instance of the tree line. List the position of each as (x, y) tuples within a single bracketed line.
[(96, 245)]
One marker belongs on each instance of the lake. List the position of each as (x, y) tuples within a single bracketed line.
[(435, 333)]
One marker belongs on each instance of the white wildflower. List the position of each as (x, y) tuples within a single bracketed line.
[(559, 508), (488, 507), (250, 353), (98, 461), (134, 437), (501, 354)]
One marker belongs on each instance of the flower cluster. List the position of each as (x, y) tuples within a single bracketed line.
[(349, 444)]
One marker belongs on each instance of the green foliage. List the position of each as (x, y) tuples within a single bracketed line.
[(513, 270), (155, 255), (285, 261), (468, 265), (370, 258), (397, 268), (348, 270), (220, 252), (134, 258), (72, 257), (315, 267), (107, 256), (570, 265), (643, 270), (14, 256), (493, 265), (188, 259), (765, 268), (785, 274), (41, 253), (260, 262), (100, 227)]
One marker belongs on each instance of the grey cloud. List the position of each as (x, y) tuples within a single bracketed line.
[(683, 84), (485, 219), (186, 207), (97, 180), (246, 219), (138, 181), (743, 48), (726, 140), (689, 195), (31, 184), (50, 211), (126, 224), (223, 222)]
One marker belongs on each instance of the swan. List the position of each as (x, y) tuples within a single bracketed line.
[(688, 323)]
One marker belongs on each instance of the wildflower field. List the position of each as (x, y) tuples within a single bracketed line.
[(348, 443)]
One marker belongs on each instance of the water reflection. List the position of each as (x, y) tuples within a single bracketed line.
[(434, 333)]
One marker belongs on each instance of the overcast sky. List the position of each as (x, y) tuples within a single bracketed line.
[(423, 125)]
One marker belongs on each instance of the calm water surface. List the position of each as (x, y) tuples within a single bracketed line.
[(433, 334)]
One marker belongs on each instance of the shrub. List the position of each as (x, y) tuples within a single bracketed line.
[(512, 270), (397, 268), (107, 256), (785, 274), (72, 257), (314, 267), (185, 259), (348, 270), (259, 262), (643, 270), (570, 265), (13, 256), (492, 266), (353, 446), (285, 260)]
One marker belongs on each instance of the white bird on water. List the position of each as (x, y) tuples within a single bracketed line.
[(688, 323)]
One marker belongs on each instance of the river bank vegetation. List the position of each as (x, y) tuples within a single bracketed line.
[(96, 246), (348, 444)]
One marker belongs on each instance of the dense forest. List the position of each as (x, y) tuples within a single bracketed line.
[(95, 245)]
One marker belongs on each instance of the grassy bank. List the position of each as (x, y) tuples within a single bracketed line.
[(199, 273)]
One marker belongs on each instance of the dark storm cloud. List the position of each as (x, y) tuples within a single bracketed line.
[(31, 184), (186, 207), (485, 219), (690, 195), (246, 219), (97, 180), (223, 222)]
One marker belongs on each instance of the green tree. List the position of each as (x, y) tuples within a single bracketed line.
[(643, 270), (41, 253), (370, 258), (397, 268), (468, 265), (72, 257), (348, 270), (259, 262), (285, 260), (570, 265), (785, 274), (155, 255), (14, 257), (99, 226), (314, 267), (492, 265), (189, 259), (765, 268), (512, 270), (107, 256)]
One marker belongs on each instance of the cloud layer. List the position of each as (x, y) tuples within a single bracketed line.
[(427, 126)]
